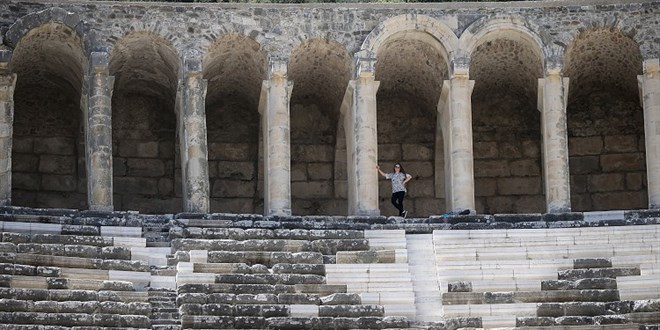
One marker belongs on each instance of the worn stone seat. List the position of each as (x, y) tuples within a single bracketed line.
[(87, 307), (19, 281), (269, 259), (461, 298), (288, 279), (75, 319), (321, 289), (72, 295), (325, 246), (240, 234)]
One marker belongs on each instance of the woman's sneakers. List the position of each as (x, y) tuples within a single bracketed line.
[(404, 214)]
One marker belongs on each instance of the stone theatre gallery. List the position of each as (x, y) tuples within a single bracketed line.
[(286, 109)]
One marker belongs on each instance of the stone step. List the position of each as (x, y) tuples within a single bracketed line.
[(256, 233), (324, 246), (474, 298), (623, 321), (491, 285), (72, 295), (85, 307), (543, 252), (57, 327), (259, 310), (78, 251), (88, 240), (450, 275), (75, 319), (260, 298), (580, 284), (29, 270), (242, 268), (74, 262), (269, 259), (321, 289), (372, 257), (480, 310), (34, 282), (576, 274), (597, 308), (273, 279), (603, 232), (338, 323)]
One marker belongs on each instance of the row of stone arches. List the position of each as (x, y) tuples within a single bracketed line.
[(605, 123)]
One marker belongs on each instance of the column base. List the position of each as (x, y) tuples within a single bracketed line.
[(102, 208), (279, 213), (367, 213)]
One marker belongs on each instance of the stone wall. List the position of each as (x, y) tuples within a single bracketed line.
[(506, 48)]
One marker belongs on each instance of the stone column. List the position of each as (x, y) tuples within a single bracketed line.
[(275, 123), (7, 85), (553, 93), (649, 84), (457, 117), (192, 135), (359, 110), (97, 105)]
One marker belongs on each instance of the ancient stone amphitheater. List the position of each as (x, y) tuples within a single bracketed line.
[(213, 166)]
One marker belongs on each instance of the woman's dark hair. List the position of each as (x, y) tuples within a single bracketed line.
[(400, 168)]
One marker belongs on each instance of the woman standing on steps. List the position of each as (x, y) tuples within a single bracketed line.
[(399, 179)]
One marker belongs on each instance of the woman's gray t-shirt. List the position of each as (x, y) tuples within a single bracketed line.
[(397, 181)]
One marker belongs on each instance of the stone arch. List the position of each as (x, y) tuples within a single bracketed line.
[(147, 174), (48, 153), (320, 70), (27, 23), (235, 67), (412, 53), (506, 61), (605, 121), (426, 28)]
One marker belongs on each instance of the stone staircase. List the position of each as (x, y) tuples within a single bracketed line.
[(288, 278), (71, 270), (586, 277)]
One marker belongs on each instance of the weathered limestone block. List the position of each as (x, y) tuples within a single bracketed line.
[(115, 252), (350, 310), (652, 305), (610, 319), (383, 323), (292, 323), (341, 299), (535, 321), (203, 321), (299, 269), (196, 309), (592, 263), (16, 238), (288, 279), (117, 286), (249, 322), (5, 281), (79, 230), (366, 257), (461, 298), (259, 298), (320, 289), (587, 283), (459, 286), (298, 299), (72, 240), (192, 298), (14, 305), (574, 320), (576, 274), (8, 247), (332, 246)]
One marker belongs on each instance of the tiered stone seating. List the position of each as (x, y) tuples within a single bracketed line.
[(285, 279), (551, 277), (61, 269)]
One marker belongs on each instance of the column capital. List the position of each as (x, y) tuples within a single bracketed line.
[(98, 62), (651, 66), (277, 67), (459, 66), (554, 60), (365, 67), (5, 58)]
